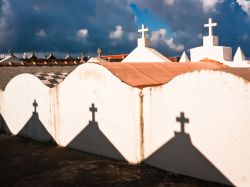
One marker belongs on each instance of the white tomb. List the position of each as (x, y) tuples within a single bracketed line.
[(212, 50), (143, 53)]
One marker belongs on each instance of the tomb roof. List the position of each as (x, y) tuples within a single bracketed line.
[(153, 74), (57, 73), (240, 72), (51, 79)]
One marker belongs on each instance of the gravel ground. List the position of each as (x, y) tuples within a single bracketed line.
[(25, 162)]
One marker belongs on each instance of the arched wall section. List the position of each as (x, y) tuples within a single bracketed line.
[(98, 113), (198, 124), (26, 108)]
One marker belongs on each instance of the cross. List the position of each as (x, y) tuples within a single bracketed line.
[(35, 105), (210, 26), (10, 52), (93, 109), (182, 121), (99, 52), (143, 30)]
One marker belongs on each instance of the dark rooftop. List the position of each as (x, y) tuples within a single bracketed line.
[(8, 72)]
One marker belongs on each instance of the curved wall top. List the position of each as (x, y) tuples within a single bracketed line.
[(152, 74), (206, 115)]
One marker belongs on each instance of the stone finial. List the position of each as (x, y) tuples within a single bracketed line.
[(184, 57), (68, 57), (239, 55), (10, 52), (99, 52)]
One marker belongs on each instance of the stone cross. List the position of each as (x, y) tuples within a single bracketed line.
[(210, 26), (35, 105), (143, 30), (10, 52), (182, 121), (93, 110), (99, 52)]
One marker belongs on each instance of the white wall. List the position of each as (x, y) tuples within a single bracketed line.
[(18, 110), (63, 112), (215, 145), (218, 53), (145, 54), (117, 134)]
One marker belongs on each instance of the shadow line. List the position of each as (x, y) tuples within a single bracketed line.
[(92, 140), (180, 156), (34, 128)]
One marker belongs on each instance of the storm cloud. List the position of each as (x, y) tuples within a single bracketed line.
[(186, 20), (62, 25), (83, 26)]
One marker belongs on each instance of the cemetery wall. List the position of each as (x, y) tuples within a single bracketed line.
[(99, 114), (26, 108), (198, 124), (213, 141)]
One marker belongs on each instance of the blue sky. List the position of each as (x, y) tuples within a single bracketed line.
[(77, 26)]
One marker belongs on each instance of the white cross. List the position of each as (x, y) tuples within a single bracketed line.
[(143, 30), (210, 26)]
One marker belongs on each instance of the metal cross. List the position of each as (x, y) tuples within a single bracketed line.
[(182, 121), (210, 26), (143, 30), (35, 105), (93, 110)]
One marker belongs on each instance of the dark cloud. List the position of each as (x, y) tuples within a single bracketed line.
[(186, 20), (76, 26), (45, 25)]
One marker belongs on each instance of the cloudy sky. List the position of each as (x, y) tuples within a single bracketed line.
[(84, 25)]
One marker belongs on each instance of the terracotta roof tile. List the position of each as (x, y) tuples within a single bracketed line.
[(240, 72), (153, 74)]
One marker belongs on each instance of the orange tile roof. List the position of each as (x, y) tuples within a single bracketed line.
[(240, 72), (213, 61), (115, 57), (152, 74)]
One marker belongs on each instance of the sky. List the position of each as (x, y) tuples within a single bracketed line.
[(77, 26)]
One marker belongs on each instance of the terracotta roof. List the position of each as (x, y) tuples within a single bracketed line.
[(240, 72), (153, 74), (213, 61), (113, 58)]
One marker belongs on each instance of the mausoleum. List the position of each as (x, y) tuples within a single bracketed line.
[(211, 50), (143, 53)]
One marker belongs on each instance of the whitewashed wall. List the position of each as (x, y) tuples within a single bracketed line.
[(63, 112), (19, 112), (116, 130), (215, 144)]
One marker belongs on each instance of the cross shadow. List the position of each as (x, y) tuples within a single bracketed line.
[(180, 156), (3, 126), (92, 140), (34, 128)]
